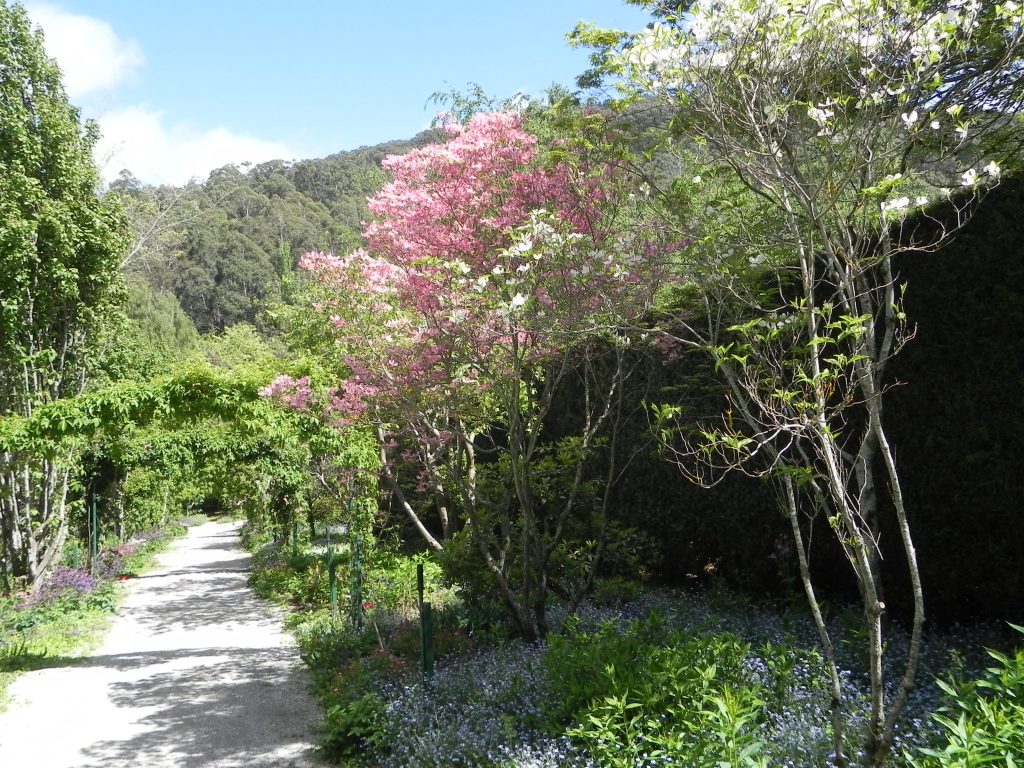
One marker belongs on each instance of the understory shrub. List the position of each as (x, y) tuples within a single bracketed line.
[(347, 666), (352, 728), (646, 696), (296, 578), (983, 720)]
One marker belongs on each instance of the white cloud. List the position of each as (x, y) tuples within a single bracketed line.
[(93, 59), (157, 148), (157, 153)]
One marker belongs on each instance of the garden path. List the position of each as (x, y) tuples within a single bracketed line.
[(195, 673)]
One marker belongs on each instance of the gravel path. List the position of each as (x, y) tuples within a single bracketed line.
[(195, 673)]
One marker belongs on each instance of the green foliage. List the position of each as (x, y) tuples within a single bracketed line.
[(59, 285), (983, 722), (465, 570), (345, 663), (645, 695), (350, 729), (162, 323), (391, 582), (299, 580), (615, 591), (226, 247)]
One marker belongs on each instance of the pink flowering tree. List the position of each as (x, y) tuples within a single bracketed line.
[(494, 270)]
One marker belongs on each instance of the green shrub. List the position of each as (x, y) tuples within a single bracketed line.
[(644, 696), (327, 643), (299, 579), (983, 721), (482, 605), (615, 591), (104, 598), (349, 729), (390, 582)]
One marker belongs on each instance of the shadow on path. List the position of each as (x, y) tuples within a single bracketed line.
[(203, 707)]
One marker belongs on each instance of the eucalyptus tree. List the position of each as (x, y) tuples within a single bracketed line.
[(60, 248), (820, 134)]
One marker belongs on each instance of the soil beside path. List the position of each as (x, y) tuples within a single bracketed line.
[(196, 672)]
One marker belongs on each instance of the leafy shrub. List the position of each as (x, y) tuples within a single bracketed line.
[(299, 579), (448, 640), (346, 667), (482, 603), (351, 728), (103, 598), (630, 553), (615, 591), (643, 696), (983, 722), (391, 582), (327, 643)]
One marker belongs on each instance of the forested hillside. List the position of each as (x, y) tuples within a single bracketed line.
[(223, 246)]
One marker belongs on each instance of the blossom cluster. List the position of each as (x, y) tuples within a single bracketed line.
[(484, 261), (893, 65)]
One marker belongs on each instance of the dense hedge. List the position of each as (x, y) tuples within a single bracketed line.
[(958, 422)]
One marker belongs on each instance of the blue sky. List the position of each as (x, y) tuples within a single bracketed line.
[(180, 87)]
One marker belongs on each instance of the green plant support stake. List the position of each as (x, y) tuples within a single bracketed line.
[(357, 581), (94, 533), (427, 641), (332, 578)]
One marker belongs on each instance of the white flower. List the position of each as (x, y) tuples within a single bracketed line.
[(518, 300), (697, 179), (720, 59), (909, 119), (992, 169), (969, 178), (895, 205), (961, 131), (820, 114), (921, 200), (934, 125)]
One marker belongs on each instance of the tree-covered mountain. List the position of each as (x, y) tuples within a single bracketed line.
[(223, 246)]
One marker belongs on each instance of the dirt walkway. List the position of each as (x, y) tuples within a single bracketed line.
[(195, 673)]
